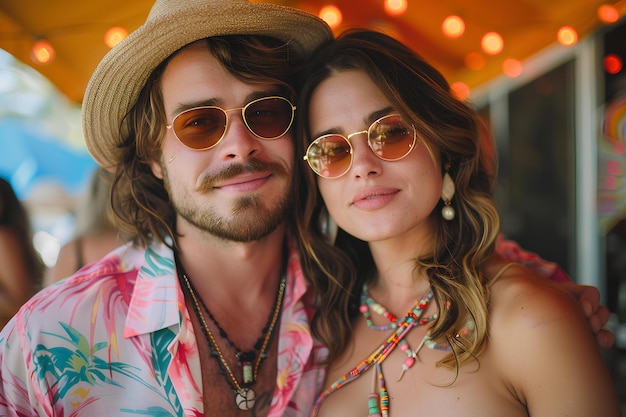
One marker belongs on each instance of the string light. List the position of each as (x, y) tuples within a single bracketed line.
[(115, 35), (612, 64), (512, 67), (395, 7), (460, 90), (42, 52), (608, 14), (331, 15), (492, 43), (567, 36), (453, 26)]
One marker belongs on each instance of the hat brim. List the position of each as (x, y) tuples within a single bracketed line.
[(117, 81)]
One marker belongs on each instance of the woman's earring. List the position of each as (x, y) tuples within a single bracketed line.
[(447, 192), (327, 226)]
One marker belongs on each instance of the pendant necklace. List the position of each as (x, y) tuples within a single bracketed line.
[(245, 397), (245, 359)]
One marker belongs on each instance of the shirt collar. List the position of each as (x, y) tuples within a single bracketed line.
[(158, 302)]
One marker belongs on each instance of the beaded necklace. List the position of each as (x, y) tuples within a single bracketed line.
[(378, 403), (245, 397), (367, 303)]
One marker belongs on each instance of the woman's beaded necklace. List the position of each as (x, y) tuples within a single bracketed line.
[(367, 304), (245, 397), (378, 403)]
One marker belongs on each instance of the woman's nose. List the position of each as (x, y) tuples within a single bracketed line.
[(364, 162)]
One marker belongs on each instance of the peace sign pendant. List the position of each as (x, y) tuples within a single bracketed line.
[(245, 399)]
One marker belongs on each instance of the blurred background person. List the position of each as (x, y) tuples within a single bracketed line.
[(94, 234), (21, 268)]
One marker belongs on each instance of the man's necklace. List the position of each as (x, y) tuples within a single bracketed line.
[(246, 359), (245, 397)]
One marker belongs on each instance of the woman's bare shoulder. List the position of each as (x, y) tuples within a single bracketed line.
[(521, 297), (542, 344)]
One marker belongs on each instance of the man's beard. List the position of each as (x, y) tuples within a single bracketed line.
[(250, 219)]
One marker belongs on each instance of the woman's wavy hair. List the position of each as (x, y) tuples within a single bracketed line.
[(140, 201), (450, 130), (15, 216)]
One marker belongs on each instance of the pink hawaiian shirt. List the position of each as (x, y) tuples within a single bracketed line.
[(511, 251), (116, 339)]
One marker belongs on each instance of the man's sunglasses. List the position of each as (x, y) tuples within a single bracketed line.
[(390, 138), (202, 128)]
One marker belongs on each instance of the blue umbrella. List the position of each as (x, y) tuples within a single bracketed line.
[(28, 156)]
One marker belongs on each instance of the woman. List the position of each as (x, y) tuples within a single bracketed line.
[(21, 268), (421, 317), (95, 234)]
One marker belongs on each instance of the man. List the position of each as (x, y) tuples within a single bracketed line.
[(204, 314)]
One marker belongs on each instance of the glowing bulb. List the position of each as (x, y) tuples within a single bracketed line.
[(331, 15), (114, 35), (608, 13), (512, 67), (453, 26), (42, 52), (395, 7), (492, 43), (612, 64), (567, 36), (460, 90)]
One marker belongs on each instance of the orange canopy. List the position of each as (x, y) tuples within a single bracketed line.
[(75, 28)]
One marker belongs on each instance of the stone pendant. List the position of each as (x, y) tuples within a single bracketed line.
[(448, 188), (245, 399)]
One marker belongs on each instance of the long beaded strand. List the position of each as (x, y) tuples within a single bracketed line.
[(412, 319)]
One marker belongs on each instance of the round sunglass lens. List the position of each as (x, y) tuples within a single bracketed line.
[(391, 138), (330, 156), (269, 118), (200, 128)]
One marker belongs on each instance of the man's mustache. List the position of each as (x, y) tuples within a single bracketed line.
[(233, 170)]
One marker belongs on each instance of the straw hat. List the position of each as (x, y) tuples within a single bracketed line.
[(115, 84)]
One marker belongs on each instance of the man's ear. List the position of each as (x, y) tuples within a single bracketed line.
[(156, 168)]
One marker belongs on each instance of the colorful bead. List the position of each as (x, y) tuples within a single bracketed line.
[(372, 405), (403, 345), (408, 362)]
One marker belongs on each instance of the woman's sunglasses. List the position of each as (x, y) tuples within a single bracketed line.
[(202, 128), (390, 138)]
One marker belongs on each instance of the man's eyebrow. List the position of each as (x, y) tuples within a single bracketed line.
[(181, 107), (190, 105)]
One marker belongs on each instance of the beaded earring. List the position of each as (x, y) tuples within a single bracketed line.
[(447, 192)]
